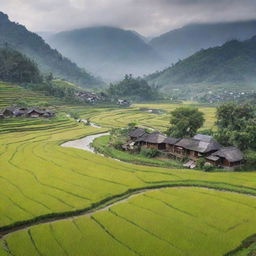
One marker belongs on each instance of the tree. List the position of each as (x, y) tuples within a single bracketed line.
[(236, 125), (135, 89), (185, 122)]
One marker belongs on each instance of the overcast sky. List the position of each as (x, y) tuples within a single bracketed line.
[(148, 17)]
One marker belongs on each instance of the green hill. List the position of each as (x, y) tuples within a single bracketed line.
[(233, 63), (15, 67), (18, 37), (107, 51)]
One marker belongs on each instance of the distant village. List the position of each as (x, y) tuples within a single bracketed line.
[(200, 146), (25, 112), (224, 96), (91, 97)]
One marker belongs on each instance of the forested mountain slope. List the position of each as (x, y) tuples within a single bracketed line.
[(18, 37), (234, 62)]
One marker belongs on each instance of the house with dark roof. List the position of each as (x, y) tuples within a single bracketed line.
[(152, 140), (195, 148), (136, 133), (34, 113), (227, 157), (170, 144), (25, 112), (8, 112), (200, 146)]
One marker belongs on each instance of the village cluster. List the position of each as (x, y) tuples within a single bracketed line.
[(25, 112), (225, 96), (200, 146)]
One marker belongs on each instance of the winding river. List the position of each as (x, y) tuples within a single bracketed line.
[(84, 143)]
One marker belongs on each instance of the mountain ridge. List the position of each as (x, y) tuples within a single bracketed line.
[(234, 62), (49, 60), (182, 42), (108, 51)]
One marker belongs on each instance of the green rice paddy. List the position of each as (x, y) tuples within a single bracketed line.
[(40, 180)]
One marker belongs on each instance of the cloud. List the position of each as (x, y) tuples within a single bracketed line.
[(149, 17)]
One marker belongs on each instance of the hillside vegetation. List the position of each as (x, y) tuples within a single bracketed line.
[(18, 37), (15, 67), (230, 64), (135, 89)]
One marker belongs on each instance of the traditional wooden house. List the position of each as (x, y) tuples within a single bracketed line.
[(20, 112), (47, 113), (196, 148), (227, 156), (136, 133), (153, 140), (8, 112), (34, 113), (170, 144), (25, 112)]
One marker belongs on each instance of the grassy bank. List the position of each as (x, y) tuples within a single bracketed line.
[(102, 146)]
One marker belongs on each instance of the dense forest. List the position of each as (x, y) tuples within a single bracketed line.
[(48, 60), (135, 89), (15, 67), (234, 62)]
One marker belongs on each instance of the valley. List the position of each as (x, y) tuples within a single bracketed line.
[(127, 128), (42, 181)]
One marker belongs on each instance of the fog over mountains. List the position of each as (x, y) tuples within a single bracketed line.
[(109, 52), (16, 36), (183, 42), (112, 52)]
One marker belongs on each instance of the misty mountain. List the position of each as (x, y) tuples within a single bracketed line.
[(229, 64), (107, 51), (183, 42), (19, 38)]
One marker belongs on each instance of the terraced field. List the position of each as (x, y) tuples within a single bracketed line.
[(121, 117), (10, 93), (64, 201), (165, 223)]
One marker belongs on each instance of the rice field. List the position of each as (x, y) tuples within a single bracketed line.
[(39, 180), (165, 223), (122, 117)]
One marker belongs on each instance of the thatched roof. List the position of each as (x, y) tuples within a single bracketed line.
[(198, 145), (137, 132), (155, 138), (171, 141), (232, 154), (203, 137), (35, 110)]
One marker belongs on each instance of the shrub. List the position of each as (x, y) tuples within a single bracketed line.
[(132, 125), (149, 152), (74, 115), (207, 168), (200, 163), (43, 104), (250, 158), (117, 144)]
